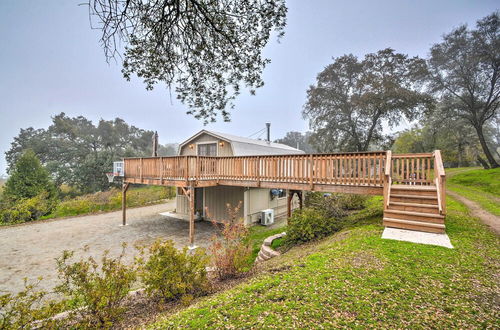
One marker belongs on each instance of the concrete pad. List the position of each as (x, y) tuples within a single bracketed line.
[(175, 215), (417, 237)]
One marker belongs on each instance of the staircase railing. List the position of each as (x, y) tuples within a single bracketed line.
[(440, 181)]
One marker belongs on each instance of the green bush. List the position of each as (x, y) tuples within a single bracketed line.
[(335, 205), (172, 274), (24, 309), (97, 291), (28, 179), (350, 201), (308, 224), (28, 209)]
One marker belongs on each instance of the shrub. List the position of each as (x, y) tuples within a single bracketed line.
[(335, 205), (97, 291), (351, 201), (22, 310), (28, 179), (308, 224), (328, 205), (171, 274), (231, 249), (27, 209)]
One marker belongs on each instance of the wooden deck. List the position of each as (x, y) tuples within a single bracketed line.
[(372, 173)]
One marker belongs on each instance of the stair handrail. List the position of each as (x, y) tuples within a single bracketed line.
[(388, 178), (440, 180)]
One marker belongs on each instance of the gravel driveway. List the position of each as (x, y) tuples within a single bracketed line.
[(30, 250)]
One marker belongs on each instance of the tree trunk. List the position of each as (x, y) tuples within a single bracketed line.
[(483, 163), (486, 150)]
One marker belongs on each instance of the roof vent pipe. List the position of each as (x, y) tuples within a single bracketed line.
[(268, 126)]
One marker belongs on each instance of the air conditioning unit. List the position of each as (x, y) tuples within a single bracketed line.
[(267, 217)]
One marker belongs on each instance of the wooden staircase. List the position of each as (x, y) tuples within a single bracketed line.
[(415, 208), (413, 195)]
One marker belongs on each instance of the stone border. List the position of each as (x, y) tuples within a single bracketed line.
[(266, 251)]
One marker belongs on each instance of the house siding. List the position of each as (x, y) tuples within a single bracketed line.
[(217, 198), (259, 199), (223, 151)]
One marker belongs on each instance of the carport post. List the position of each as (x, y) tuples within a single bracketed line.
[(191, 217), (124, 203)]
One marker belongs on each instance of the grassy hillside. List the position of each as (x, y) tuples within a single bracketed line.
[(477, 184), (111, 200), (356, 279), (101, 202)]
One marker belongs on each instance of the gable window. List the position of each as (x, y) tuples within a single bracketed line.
[(207, 149)]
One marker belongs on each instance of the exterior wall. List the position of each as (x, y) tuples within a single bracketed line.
[(222, 151), (182, 204), (216, 200), (258, 199)]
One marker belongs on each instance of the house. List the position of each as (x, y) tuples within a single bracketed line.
[(211, 202)]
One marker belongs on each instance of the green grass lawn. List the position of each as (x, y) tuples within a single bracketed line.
[(356, 279), (476, 184)]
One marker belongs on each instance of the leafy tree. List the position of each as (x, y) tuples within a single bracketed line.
[(297, 140), (206, 49), (28, 179), (169, 149), (77, 152), (453, 136), (351, 98), (464, 72)]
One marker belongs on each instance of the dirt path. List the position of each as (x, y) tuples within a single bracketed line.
[(30, 250), (489, 219)]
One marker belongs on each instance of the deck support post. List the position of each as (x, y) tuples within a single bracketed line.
[(191, 216), (124, 203), (289, 202)]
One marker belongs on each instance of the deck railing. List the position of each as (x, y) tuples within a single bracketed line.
[(362, 169)]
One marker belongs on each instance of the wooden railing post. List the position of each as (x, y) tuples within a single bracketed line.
[(440, 179), (258, 171), (387, 178), (311, 173), (161, 170)]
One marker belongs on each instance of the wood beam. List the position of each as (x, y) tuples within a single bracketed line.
[(191, 215), (124, 203)]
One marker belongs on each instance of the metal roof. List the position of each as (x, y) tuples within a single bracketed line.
[(248, 147)]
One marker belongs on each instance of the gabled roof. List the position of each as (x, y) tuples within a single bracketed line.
[(248, 147)]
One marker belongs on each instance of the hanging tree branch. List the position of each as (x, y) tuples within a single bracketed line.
[(206, 50)]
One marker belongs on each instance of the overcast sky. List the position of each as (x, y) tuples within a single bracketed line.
[(51, 62)]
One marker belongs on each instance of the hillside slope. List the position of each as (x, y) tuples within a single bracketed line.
[(355, 278)]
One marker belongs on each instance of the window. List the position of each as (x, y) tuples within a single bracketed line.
[(207, 149)]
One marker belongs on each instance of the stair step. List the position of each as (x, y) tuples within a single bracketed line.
[(413, 187), (419, 214), (433, 206), (415, 223), (414, 196)]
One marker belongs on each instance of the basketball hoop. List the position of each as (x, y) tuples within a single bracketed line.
[(111, 176)]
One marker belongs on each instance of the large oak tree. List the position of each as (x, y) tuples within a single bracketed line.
[(352, 97), (77, 152), (465, 75), (206, 49)]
